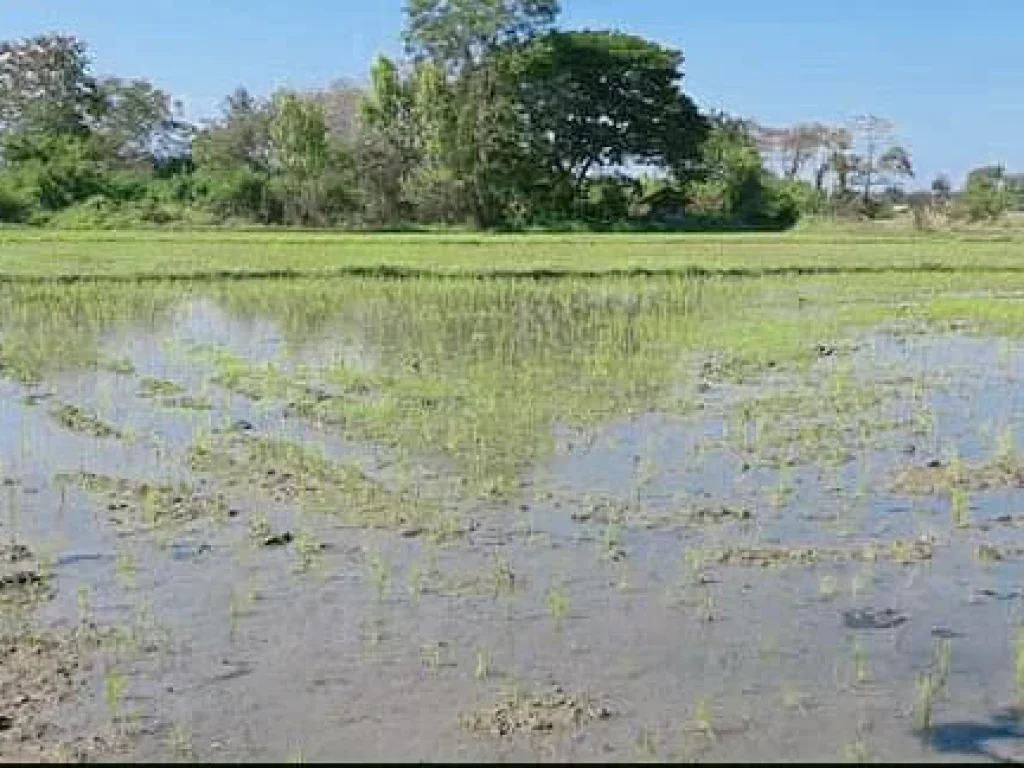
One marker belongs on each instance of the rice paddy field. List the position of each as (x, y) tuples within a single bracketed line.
[(310, 497)]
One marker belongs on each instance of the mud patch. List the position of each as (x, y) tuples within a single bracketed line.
[(76, 420), (23, 581), (170, 394), (873, 618), (899, 552), (39, 671), (938, 478), (289, 473), (539, 713), (146, 505)]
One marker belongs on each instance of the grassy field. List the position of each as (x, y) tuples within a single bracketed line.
[(43, 254)]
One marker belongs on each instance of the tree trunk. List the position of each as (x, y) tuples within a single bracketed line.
[(819, 178)]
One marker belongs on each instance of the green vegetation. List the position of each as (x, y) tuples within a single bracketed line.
[(458, 452), (27, 255), (496, 119)]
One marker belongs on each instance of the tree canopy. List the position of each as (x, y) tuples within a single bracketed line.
[(496, 117)]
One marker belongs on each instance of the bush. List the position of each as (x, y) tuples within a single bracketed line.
[(981, 199), (16, 205)]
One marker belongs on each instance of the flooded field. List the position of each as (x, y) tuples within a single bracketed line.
[(450, 518)]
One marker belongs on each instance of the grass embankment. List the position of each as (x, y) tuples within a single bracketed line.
[(72, 255)]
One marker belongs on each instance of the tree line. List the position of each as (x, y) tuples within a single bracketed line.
[(493, 118)]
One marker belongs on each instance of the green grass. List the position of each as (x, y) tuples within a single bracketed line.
[(47, 254)]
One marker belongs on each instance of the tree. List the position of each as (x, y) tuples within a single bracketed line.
[(880, 161), (871, 131), (1014, 185), (458, 34), (983, 195), (340, 102), (895, 162), (793, 147), (460, 38), (136, 121), (386, 150), (298, 136), (46, 85), (298, 155), (942, 189), (239, 139), (592, 100), (832, 158)]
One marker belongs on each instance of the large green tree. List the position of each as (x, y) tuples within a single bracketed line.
[(46, 84), (459, 34), (595, 100), (136, 121), (462, 39), (239, 138)]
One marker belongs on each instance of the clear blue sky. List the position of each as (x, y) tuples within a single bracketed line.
[(950, 74)]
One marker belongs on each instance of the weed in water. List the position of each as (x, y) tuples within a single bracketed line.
[(1006, 455), (828, 587), (380, 575), (483, 665), (415, 582), (960, 506), (558, 604), (857, 751), (259, 527), (114, 684), (434, 654), (863, 581), (126, 569), (794, 699), (503, 576), (704, 720), (84, 605), (926, 689), (647, 743), (307, 547), (179, 742), (1020, 665), (861, 664)]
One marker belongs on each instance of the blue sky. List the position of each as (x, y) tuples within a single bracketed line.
[(949, 74)]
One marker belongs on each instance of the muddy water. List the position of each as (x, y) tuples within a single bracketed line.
[(625, 544)]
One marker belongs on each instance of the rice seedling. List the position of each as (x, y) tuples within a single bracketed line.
[(308, 548), (828, 587), (1020, 665), (114, 683), (557, 600), (863, 581), (259, 527), (704, 719), (960, 507), (126, 569), (84, 606), (794, 699), (926, 687), (647, 743), (435, 655), (179, 742), (483, 665), (415, 586), (943, 662), (503, 576), (861, 664), (380, 575)]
